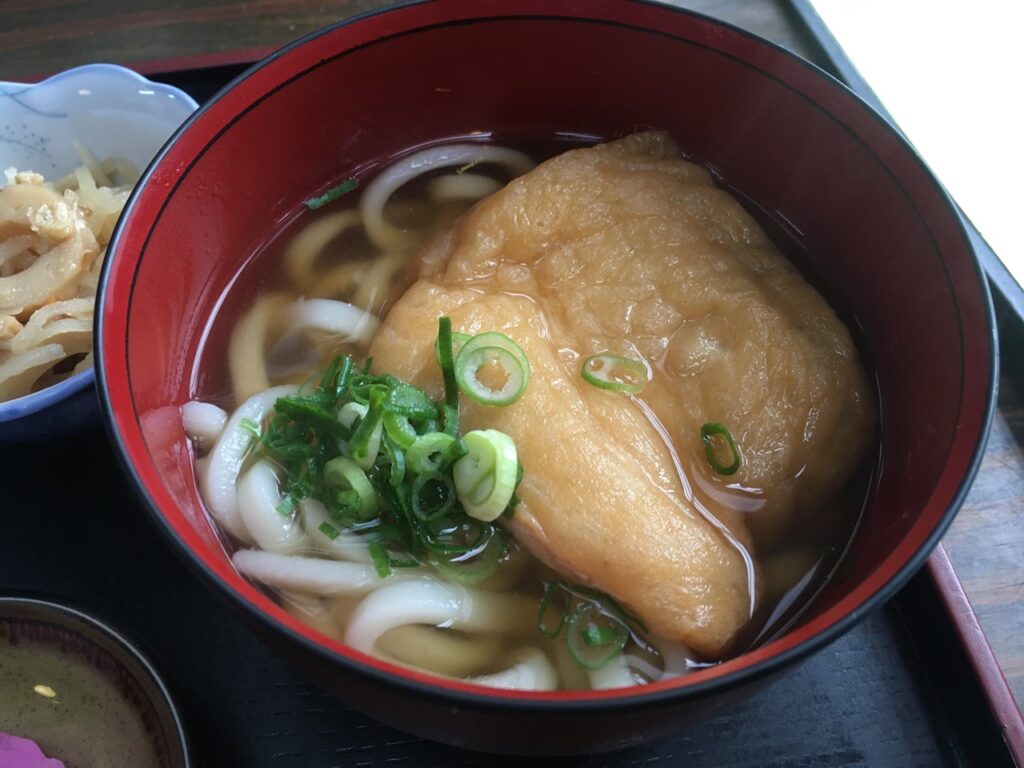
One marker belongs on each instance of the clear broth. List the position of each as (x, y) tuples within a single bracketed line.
[(792, 573)]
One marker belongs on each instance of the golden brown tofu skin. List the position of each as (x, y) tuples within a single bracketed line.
[(627, 248)]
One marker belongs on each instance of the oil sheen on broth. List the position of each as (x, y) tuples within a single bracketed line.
[(630, 532)]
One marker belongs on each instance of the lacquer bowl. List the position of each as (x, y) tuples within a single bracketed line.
[(876, 226), (114, 112), (57, 638)]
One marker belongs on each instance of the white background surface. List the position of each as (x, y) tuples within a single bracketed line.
[(951, 75)]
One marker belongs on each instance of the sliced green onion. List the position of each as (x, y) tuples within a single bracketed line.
[(335, 378), (448, 538), (554, 604), (381, 561), (614, 372), (352, 413), (250, 426), (469, 365), (608, 604), (487, 349), (594, 638), (499, 340), (331, 194), (329, 530), (485, 478), (427, 453), (411, 402), (458, 340), (396, 457), (286, 506), (399, 429), (344, 474), (344, 441), (346, 501), (445, 358), (453, 453), (365, 443), (471, 571), (708, 435), (351, 417), (361, 385), (309, 410), (432, 496), (451, 419)]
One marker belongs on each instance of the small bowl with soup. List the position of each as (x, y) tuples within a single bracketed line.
[(78, 693), (71, 147), (545, 403)]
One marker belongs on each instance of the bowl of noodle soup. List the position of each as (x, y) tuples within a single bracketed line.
[(535, 415), (71, 147)]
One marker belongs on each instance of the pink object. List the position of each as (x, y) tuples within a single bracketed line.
[(16, 752)]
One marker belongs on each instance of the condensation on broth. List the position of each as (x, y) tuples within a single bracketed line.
[(792, 571)]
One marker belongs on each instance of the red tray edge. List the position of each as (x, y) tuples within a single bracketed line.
[(983, 661)]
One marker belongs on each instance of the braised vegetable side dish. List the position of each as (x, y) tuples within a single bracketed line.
[(566, 426), (53, 237)]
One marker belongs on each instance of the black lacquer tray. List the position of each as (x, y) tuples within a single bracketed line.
[(886, 694), (900, 689)]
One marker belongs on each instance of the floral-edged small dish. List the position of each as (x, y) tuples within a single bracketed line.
[(113, 112)]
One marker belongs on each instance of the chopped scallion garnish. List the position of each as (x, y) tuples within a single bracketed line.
[(596, 627), (331, 194), (329, 530), (485, 478), (381, 561), (594, 638), (614, 372), (427, 452), (551, 614), (458, 340), (353, 491), (445, 358), (506, 358), (250, 426), (474, 569), (433, 496), (716, 438), (349, 440), (366, 440), (400, 429), (286, 507)]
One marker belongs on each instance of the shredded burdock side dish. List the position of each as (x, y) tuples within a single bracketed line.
[(53, 236)]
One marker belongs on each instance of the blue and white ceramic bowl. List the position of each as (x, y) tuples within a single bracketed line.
[(115, 113)]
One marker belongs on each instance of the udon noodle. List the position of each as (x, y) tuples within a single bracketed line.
[(53, 237), (378, 274)]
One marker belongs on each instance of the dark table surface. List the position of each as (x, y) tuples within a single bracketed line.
[(71, 527)]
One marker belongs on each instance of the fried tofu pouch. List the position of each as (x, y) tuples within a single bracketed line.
[(627, 248)]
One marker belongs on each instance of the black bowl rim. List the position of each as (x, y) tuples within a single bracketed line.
[(635, 701), (63, 611)]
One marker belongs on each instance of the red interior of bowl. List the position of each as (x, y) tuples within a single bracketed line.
[(879, 230)]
